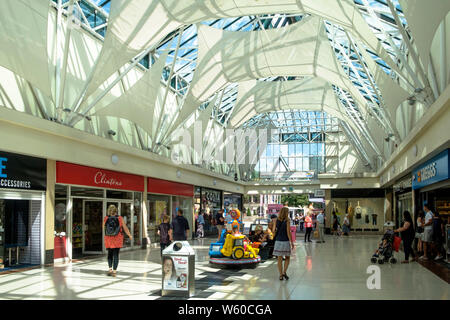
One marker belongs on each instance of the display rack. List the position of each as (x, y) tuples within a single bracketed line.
[(443, 207)]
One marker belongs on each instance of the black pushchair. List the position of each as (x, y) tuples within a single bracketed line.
[(388, 245)]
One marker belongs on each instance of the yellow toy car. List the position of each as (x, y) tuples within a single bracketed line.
[(236, 248)]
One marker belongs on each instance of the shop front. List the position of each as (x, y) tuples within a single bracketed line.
[(233, 201), (23, 182), (208, 202), (82, 196), (403, 199), (166, 198), (365, 208), (431, 184)]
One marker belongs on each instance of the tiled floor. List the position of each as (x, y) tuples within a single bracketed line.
[(336, 269)]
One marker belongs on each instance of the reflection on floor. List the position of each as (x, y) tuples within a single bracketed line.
[(336, 269)]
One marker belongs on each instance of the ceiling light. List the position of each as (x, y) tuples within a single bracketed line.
[(114, 159)]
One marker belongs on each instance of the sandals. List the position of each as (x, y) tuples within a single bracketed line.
[(281, 278), (109, 273), (114, 273), (285, 276)]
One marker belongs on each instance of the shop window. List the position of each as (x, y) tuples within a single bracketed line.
[(87, 192), (157, 207), (60, 191), (137, 218), (115, 194)]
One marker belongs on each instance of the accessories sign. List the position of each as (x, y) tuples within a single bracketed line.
[(22, 172)]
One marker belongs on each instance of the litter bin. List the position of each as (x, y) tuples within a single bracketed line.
[(178, 270)]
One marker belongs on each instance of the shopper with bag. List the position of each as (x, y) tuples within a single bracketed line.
[(407, 235), (114, 228)]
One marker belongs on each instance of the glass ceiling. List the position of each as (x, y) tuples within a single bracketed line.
[(378, 14)]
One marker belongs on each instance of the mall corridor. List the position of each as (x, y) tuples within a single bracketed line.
[(334, 270)]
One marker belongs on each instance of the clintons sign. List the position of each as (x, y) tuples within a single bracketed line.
[(69, 173)]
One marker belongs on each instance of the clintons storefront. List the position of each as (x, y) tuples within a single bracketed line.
[(82, 196)]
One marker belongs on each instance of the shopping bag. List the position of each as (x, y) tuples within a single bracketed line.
[(316, 234), (397, 241)]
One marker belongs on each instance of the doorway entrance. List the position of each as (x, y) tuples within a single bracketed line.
[(92, 227)]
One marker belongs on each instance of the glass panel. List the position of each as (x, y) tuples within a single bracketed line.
[(270, 164), (269, 150), (284, 150), (60, 228), (125, 212), (299, 164), (60, 191), (276, 150), (87, 192), (292, 164), (2, 232), (93, 220), (263, 165), (77, 228), (291, 149), (211, 204), (305, 164), (157, 207), (299, 149), (115, 194), (137, 220)]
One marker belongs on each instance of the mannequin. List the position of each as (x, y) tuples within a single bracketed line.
[(350, 212)]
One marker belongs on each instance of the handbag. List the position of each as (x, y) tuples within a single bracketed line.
[(397, 242)]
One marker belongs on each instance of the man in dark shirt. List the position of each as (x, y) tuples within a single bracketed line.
[(179, 228)]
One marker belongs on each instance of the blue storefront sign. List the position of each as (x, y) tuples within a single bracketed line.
[(434, 170)]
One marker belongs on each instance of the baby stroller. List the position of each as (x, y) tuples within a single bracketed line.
[(388, 245)]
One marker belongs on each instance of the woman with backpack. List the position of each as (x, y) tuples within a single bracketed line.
[(114, 227)]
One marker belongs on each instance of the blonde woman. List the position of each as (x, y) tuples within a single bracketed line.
[(283, 242), (114, 228)]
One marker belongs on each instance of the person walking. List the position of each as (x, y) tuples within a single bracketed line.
[(201, 226), (335, 224), (283, 242), (438, 237), (114, 228), (179, 229), (321, 226), (407, 235), (308, 226), (302, 221), (163, 233), (427, 232), (346, 225)]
